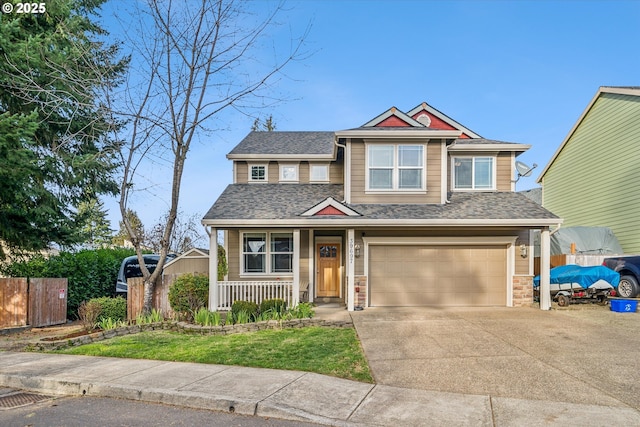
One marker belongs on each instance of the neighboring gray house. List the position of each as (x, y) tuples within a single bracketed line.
[(592, 179), (409, 209)]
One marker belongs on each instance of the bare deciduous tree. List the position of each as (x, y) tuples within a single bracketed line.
[(193, 60)]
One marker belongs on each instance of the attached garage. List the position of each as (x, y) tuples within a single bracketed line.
[(438, 275)]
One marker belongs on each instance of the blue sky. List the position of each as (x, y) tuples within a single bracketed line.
[(517, 71)]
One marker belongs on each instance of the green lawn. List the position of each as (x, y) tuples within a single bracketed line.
[(329, 351)]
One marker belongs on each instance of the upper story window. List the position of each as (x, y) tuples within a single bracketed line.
[(474, 173), (319, 173), (267, 253), (395, 167), (289, 173), (258, 173)]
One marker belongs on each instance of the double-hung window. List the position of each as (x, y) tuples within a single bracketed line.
[(474, 173), (267, 253), (395, 167)]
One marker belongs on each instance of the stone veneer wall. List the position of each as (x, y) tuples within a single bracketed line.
[(522, 291), (361, 297)]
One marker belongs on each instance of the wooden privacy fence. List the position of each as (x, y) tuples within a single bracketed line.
[(36, 302), (135, 296)]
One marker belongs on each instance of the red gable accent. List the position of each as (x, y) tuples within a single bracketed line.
[(330, 210), (392, 121), (437, 123)]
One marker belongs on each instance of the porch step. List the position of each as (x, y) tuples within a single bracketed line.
[(329, 300)]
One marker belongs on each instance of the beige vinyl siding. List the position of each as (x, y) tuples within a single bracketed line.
[(522, 264), (594, 179), (241, 169), (359, 171), (233, 256), (504, 172), (336, 173), (196, 265)]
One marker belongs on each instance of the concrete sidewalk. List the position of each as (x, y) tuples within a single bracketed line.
[(288, 395), (304, 396)]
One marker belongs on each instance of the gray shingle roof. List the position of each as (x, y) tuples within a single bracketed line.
[(277, 143), (270, 201), (289, 201), (480, 141), (494, 205)]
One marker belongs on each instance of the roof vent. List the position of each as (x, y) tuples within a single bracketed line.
[(424, 119)]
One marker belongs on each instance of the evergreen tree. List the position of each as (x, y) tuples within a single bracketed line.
[(95, 227), (136, 224), (54, 151)]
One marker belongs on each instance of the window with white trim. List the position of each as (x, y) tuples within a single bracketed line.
[(289, 173), (474, 173), (267, 253), (258, 173), (319, 173), (396, 168)]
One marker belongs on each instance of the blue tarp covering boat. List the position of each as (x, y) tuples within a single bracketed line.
[(576, 276)]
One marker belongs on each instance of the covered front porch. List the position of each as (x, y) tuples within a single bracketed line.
[(295, 265)]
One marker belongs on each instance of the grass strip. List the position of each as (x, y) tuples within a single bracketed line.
[(328, 351)]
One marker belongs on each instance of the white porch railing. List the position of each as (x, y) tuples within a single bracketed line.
[(253, 291)]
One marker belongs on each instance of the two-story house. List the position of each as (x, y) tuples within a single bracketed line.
[(410, 209)]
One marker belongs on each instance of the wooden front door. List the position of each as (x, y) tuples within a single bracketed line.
[(328, 269)]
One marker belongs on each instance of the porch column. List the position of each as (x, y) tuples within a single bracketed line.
[(545, 260), (350, 269), (296, 267), (213, 269)]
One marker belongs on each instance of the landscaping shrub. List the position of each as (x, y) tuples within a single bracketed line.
[(88, 313), (248, 308), (273, 305), (188, 293), (90, 273), (111, 308)]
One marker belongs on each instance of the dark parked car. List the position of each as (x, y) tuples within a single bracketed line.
[(629, 269), (130, 267)]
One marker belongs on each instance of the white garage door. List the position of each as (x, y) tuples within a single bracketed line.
[(418, 275)]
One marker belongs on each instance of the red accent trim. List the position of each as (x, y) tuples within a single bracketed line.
[(330, 210), (437, 123), (392, 121)]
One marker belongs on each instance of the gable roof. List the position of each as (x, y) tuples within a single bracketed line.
[(440, 115), (391, 113), (281, 145), (620, 90), (191, 253), (330, 206), (276, 205), (439, 125)]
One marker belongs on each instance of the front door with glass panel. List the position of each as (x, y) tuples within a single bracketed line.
[(328, 269)]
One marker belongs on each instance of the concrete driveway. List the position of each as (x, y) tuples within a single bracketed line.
[(583, 354)]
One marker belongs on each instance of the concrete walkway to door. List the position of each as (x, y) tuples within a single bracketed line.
[(585, 355)]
